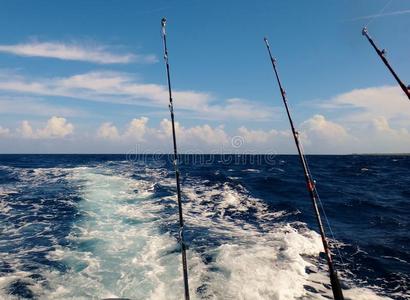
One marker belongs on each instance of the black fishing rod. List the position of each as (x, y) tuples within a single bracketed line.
[(382, 55), (334, 280), (181, 218)]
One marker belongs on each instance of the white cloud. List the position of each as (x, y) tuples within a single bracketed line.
[(121, 88), (380, 124), (239, 109), (380, 136), (195, 139), (393, 13), (320, 135), (25, 130), (257, 136), (361, 105), (108, 131), (139, 131), (198, 135), (74, 51), (377, 119), (319, 129), (136, 131), (4, 132), (56, 127), (20, 105), (362, 123)]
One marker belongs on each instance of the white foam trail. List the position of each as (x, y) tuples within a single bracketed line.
[(264, 259), (119, 248), (120, 251)]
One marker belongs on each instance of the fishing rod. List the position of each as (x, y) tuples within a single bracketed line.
[(310, 184), (382, 55), (181, 218)]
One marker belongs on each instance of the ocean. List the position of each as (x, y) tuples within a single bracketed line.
[(99, 226)]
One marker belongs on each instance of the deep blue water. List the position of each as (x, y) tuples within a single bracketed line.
[(92, 226)]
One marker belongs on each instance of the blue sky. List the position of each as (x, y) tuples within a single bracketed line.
[(75, 71)]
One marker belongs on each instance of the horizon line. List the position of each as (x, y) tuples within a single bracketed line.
[(238, 154)]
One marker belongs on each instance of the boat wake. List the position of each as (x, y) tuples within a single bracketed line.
[(122, 241)]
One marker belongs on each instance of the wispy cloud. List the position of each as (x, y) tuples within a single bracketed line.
[(121, 88), (75, 51), (394, 13), (33, 106)]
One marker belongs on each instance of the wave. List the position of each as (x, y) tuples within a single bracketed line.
[(123, 242)]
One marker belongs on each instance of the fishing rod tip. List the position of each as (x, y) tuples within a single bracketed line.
[(364, 31), (163, 21)]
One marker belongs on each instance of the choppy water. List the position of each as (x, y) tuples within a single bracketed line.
[(95, 226)]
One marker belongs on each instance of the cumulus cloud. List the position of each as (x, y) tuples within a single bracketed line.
[(139, 131), (204, 134), (348, 123), (4, 132), (318, 128), (363, 105), (380, 136), (74, 51), (378, 119), (199, 135), (136, 131), (320, 135), (207, 134), (25, 130), (195, 139), (258, 136), (56, 127), (108, 131)]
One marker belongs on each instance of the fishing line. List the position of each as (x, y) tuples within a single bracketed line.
[(175, 162), (323, 210), (334, 280), (382, 55)]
